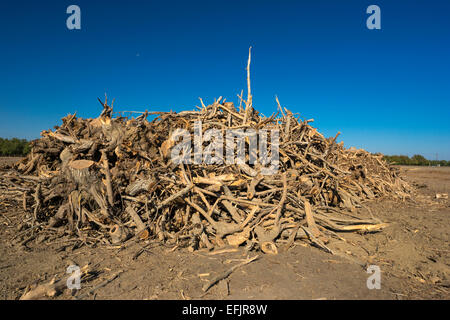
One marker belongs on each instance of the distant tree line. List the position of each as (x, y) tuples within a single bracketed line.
[(14, 147), (415, 160)]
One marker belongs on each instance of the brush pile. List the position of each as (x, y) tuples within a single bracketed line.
[(110, 178), (113, 177)]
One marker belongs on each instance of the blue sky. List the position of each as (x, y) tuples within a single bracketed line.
[(386, 90)]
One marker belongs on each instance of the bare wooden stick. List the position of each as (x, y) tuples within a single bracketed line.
[(137, 220), (175, 196), (108, 179), (226, 274), (251, 203), (102, 284), (282, 200), (248, 103), (310, 219)]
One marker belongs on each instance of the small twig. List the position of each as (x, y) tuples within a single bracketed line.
[(175, 196), (104, 283), (224, 275), (3, 215)]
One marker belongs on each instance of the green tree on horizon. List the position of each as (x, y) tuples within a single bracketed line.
[(415, 160), (14, 147)]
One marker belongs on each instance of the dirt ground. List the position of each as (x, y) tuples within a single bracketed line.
[(412, 254)]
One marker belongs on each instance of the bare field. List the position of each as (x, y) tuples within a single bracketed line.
[(412, 253), (7, 161)]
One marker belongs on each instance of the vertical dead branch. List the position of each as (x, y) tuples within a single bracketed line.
[(248, 103)]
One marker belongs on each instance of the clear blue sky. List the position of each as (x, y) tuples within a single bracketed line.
[(386, 90)]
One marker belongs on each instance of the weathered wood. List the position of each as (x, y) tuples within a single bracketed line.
[(140, 226)]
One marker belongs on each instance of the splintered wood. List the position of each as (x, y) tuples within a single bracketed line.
[(113, 178)]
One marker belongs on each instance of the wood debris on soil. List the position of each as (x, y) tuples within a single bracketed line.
[(112, 178)]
